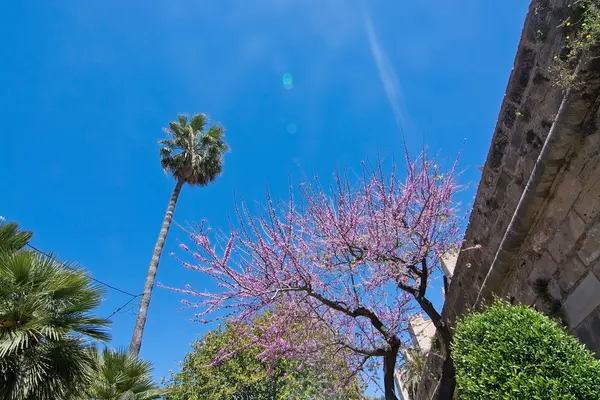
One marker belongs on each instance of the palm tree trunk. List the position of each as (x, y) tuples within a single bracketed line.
[(140, 322)]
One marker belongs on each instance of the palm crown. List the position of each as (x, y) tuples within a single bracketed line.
[(120, 373), (46, 323), (191, 154)]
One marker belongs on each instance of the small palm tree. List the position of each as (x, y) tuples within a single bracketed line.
[(194, 156), (45, 323), (120, 375), (412, 370)]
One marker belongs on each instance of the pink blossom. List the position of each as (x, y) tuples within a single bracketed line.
[(336, 267)]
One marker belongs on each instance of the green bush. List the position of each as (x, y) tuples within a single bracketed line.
[(514, 352)]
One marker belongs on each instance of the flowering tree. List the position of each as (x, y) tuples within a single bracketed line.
[(351, 259), (245, 376)]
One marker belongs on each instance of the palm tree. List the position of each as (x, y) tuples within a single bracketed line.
[(120, 375), (194, 157), (45, 323), (412, 370)]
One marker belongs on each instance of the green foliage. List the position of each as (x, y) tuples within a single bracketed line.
[(120, 373), (412, 370), (582, 35), (586, 28), (245, 376), (193, 155), (45, 323), (12, 238), (514, 352)]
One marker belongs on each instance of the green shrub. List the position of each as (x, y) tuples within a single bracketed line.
[(514, 352)]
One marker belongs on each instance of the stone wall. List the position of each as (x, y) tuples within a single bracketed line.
[(551, 231), (526, 115), (559, 234)]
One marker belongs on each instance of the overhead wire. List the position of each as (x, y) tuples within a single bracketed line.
[(92, 278), (117, 310)]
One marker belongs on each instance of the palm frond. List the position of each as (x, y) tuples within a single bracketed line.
[(120, 373), (182, 120), (12, 238), (198, 122), (54, 370), (412, 370)]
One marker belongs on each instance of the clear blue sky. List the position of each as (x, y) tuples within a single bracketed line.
[(86, 86)]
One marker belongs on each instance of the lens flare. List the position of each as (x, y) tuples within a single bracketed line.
[(288, 81), (292, 128)]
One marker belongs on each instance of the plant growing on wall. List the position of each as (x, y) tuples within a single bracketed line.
[(582, 36)]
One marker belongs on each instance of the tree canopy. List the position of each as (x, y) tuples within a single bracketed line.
[(205, 374), (352, 260)]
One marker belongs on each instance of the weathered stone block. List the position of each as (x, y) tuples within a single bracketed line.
[(554, 290), (544, 304), (499, 143), (509, 115), (588, 204), (586, 162), (589, 166), (526, 294), (510, 160), (583, 301), (570, 273), (594, 328), (544, 269), (590, 248), (565, 196), (544, 233), (524, 64), (524, 168), (505, 179), (586, 337), (448, 262), (564, 240)]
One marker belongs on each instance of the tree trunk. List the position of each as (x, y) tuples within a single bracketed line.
[(389, 366), (448, 378), (140, 322)]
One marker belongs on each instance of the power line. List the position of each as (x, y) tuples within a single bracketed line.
[(133, 296), (122, 307)]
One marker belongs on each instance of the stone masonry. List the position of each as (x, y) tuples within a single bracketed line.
[(551, 231)]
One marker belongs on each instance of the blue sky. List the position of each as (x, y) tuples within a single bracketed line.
[(85, 88)]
